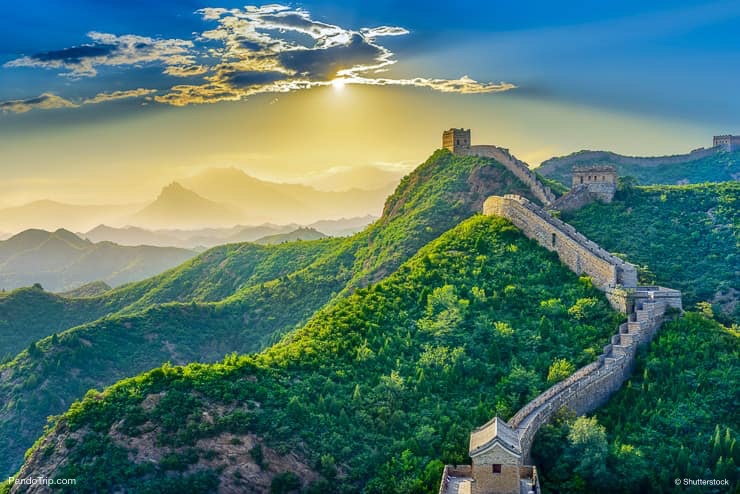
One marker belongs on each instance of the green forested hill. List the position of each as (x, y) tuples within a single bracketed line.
[(677, 417), (238, 297), (684, 237), (668, 170), (29, 314), (371, 395)]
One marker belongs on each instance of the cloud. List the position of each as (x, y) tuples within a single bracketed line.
[(185, 70), (463, 85), (275, 48), (326, 63), (111, 50), (375, 32), (266, 49), (118, 95), (45, 101), (49, 101)]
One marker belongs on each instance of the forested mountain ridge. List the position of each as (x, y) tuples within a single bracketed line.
[(698, 167), (372, 393), (685, 237), (237, 297), (676, 418)]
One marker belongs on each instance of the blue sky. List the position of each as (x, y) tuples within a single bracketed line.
[(657, 77)]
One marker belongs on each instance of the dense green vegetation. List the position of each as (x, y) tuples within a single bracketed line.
[(238, 297), (375, 390), (29, 314), (677, 417), (683, 237), (717, 167), (92, 289)]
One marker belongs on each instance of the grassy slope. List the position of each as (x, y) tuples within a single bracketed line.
[(383, 384), (251, 311), (687, 237), (719, 167)]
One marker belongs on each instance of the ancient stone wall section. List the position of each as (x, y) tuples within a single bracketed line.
[(576, 198), (519, 168), (607, 156), (608, 273), (591, 386)]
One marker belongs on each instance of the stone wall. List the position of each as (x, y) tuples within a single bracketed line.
[(582, 157), (487, 482), (519, 168), (456, 140), (578, 197), (584, 194), (608, 273), (593, 385), (727, 143)]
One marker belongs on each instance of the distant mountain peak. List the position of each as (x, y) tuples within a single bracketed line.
[(177, 206)]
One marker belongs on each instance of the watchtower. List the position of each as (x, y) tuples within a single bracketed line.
[(600, 180), (598, 174), (456, 140), (728, 142)]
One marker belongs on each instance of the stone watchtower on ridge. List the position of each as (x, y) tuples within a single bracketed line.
[(727, 143), (600, 180), (456, 140)]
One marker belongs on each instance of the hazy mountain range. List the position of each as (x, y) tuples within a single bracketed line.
[(218, 197), (208, 237), (90, 264), (61, 260)]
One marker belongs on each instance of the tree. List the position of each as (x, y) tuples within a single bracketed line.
[(588, 443), (559, 370), (284, 483)]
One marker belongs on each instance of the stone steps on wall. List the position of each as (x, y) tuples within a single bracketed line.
[(636, 326), (626, 339)]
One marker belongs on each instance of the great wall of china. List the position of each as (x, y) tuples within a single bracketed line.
[(501, 451), (519, 168)]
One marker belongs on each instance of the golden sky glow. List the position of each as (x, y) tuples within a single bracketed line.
[(298, 136)]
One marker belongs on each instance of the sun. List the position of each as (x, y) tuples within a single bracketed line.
[(338, 83)]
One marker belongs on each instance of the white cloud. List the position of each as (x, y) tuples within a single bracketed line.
[(267, 49), (50, 101), (274, 48), (111, 50)]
